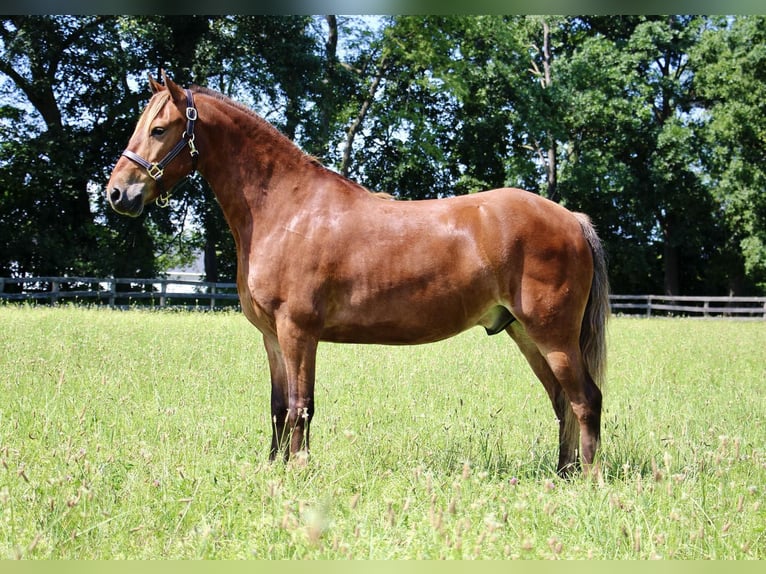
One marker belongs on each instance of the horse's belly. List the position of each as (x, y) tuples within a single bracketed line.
[(386, 334), (410, 323)]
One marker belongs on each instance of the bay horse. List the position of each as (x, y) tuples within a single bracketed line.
[(321, 258)]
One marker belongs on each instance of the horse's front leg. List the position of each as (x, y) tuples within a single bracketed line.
[(299, 350), (279, 397)]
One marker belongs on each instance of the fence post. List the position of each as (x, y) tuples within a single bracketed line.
[(212, 297), (163, 290), (54, 292), (648, 306), (112, 292)]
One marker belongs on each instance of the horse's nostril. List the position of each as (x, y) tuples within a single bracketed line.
[(115, 194)]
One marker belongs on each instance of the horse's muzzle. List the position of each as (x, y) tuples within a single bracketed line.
[(126, 201)]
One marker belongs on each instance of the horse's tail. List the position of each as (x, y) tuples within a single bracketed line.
[(593, 330)]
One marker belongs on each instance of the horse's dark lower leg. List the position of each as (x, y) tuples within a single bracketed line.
[(299, 349), (278, 423), (279, 399), (290, 432), (584, 397), (290, 428), (569, 435), (298, 425), (589, 415)]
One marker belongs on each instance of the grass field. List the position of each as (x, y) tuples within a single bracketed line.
[(145, 435)]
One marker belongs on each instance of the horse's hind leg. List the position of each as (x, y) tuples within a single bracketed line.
[(569, 430), (567, 365)]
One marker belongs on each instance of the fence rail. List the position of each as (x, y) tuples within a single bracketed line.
[(120, 292), (688, 306), (174, 292)]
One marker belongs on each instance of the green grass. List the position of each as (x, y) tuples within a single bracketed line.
[(145, 435)]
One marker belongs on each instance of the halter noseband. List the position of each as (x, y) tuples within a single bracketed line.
[(157, 169)]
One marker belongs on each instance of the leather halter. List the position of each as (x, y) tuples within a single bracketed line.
[(157, 169)]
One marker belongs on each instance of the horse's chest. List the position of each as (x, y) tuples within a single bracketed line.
[(259, 314)]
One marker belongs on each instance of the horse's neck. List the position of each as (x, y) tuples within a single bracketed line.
[(247, 163)]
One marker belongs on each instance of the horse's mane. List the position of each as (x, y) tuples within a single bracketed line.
[(262, 123), (265, 125)]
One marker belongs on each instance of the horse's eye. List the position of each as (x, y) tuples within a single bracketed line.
[(158, 131)]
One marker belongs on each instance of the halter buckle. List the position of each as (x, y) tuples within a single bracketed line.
[(155, 171), (191, 114)]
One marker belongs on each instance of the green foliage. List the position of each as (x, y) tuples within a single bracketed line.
[(122, 438), (651, 124), (732, 83)]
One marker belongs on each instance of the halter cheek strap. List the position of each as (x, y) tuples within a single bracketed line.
[(156, 170)]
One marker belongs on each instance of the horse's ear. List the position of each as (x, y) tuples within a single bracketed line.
[(176, 92), (154, 85)]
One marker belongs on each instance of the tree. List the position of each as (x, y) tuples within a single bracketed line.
[(731, 83), (56, 140), (596, 112), (70, 82), (634, 157), (436, 122), (652, 125)]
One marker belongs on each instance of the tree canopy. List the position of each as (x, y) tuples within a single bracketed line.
[(653, 125)]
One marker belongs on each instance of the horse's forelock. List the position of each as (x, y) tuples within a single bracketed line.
[(152, 110)]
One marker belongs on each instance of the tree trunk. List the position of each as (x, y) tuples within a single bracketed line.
[(210, 259), (328, 103), (670, 259), (345, 164), (212, 231), (551, 165)]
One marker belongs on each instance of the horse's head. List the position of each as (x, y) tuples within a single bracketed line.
[(149, 166)]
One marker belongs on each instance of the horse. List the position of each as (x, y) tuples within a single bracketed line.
[(321, 258)]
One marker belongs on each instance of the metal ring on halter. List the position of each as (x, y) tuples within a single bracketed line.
[(163, 200)]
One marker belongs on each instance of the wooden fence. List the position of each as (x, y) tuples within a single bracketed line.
[(687, 306), (186, 293), (119, 292)]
